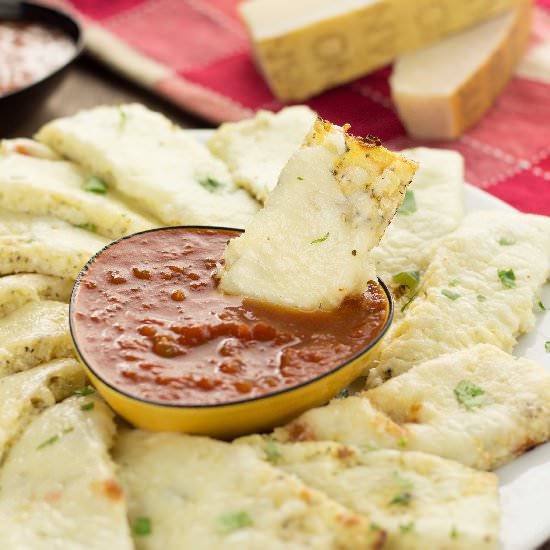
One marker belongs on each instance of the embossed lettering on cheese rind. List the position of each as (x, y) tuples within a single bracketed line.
[(32, 184), (308, 46), (42, 244), (35, 333), (417, 498), (58, 483), (18, 290), (309, 246), (449, 97), (408, 244), (256, 150), (465, 265), (420, 410), (198, 492), (149, 159), (26, 394)]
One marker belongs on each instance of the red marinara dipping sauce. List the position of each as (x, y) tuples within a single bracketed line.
[(150, 321), (29, 51)]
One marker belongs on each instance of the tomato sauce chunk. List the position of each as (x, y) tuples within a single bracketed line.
[(149, 320)]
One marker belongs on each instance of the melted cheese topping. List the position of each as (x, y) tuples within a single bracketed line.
[(44, 245), (32, 184), (420, 500), (18, 290), (199, 492), (58, 484), (26, 394), (149, 159), (419, 410), (32, 334), (256, 150), (308, 248)]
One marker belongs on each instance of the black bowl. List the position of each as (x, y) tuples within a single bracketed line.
[(16, 105)]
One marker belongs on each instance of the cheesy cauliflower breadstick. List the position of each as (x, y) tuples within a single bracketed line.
[(309, 247)]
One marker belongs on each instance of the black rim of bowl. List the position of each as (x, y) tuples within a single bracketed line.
[(72, 328), (39, 13)]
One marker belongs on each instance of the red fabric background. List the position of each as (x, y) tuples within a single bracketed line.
[(507, 153)]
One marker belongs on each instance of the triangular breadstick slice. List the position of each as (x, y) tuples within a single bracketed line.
[(309, 246)]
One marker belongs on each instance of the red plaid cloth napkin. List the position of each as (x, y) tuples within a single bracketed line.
[(196, 53)]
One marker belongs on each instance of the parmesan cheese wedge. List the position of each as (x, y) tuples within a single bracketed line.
[(18, 290), (309, 246), (150, 160), (58, 483), (26, 394), (202, 493), (32, 184), (420, 500), (434, 208), (442, 90), (308, 46), (33, 334), (481, 407), (42, 244), (480, 287), (256, 150)]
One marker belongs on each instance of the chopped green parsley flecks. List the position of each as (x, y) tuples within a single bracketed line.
[(409, 203), (87, 406), (547, 346), (343, 394), (50, 441), (95, 185), (454, 532), (454, 282), (469, 394), (505, 241), (272, 451), (321, 239), (542, 307), (481, 298), (410, 279), (402, 499), (92, 227), (409, 301), (402, 442), (403, 482), (86, 390), (450, 294), (142, 526), (210, 184), (228, 523), (507, 277), (300, 178), (406, 527)]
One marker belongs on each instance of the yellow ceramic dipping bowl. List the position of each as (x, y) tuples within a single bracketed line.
[(232, 419)]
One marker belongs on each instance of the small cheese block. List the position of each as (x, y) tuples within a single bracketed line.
[(35, 333), (442, 90), (26, 394), (200, 493), (308, 248), (150, 160), (420, 500), (307, 46), (58, 483), (43, 244), (257, 149), (480, 406), (33, 181), (18, 290)]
